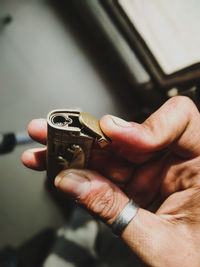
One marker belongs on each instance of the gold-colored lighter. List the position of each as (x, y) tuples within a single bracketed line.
[(69, 140)]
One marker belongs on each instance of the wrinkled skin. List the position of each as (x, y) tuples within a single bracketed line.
[(157, 164)]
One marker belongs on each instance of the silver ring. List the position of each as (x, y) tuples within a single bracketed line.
[(124, 218)]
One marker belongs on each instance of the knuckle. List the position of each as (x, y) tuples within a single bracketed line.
[(103, 203), (183, 101)]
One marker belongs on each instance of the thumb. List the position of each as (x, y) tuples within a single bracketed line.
[(146, 234), (172, 125)]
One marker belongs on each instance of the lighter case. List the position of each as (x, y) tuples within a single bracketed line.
[(69, 140)]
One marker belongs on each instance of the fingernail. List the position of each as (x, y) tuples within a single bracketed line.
[(73, 183), (120, 122)]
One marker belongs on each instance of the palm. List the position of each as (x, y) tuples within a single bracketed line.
[(165, 184), (151, 182)]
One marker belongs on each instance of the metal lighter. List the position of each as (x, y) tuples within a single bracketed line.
[(69, 140)]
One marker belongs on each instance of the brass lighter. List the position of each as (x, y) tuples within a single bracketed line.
[(69, 140)]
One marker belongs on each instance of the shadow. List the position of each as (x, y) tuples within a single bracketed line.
[(73, 253), (33, 252), (100, 53)]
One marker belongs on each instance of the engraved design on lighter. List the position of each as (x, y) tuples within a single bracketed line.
[(77, 161)]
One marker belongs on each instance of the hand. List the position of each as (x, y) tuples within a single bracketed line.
[(157, 164)]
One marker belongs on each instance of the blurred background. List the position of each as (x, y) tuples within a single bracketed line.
[(90, 55)]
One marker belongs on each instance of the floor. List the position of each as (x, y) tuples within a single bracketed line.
[(44, 64)]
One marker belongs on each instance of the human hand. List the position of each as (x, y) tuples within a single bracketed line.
[(157, 164)]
